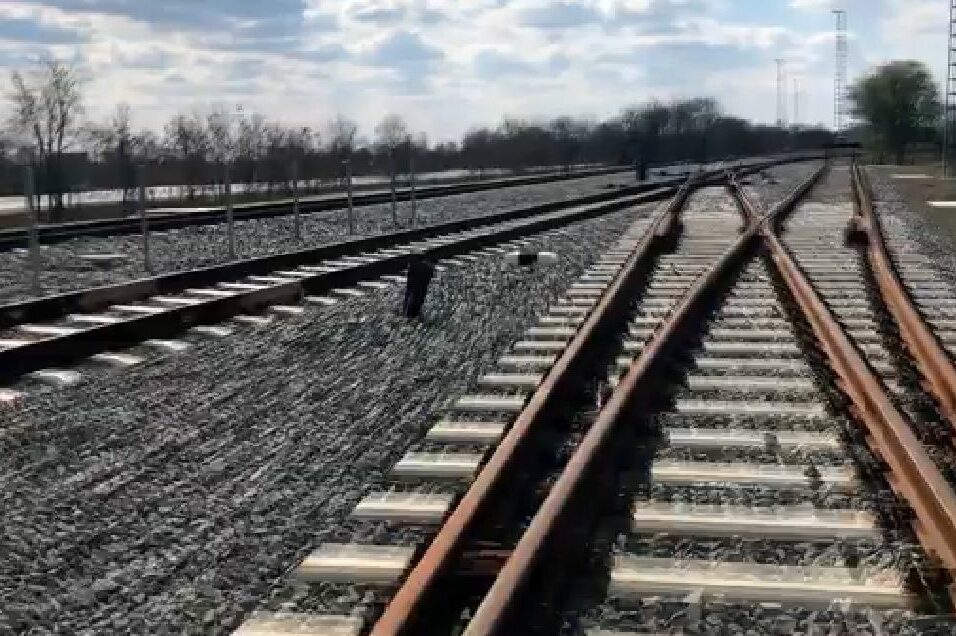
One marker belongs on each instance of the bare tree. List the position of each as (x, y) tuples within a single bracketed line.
[(568, 137), (222, 143), (342, 132), (391, 131), (250, 147), (116, 144), (187, 141), (47, 104), (277, 155)]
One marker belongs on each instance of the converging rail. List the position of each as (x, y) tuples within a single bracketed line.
[(923, 344), (535, 383), (547, 531), (913, 474), (542, 552), (719, 339)]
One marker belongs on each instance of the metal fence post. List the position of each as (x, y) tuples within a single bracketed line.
[(391, 169), (411, 179), (144, 215), (229, 215), (295, 202), (34, 234), (348, 185)]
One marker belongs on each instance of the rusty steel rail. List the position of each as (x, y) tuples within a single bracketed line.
[(494, 614), (423, 585), (635, 390), (912, 473), (939, 374)]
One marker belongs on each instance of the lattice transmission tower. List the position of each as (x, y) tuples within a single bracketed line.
[(839, 75), (796, 99), (782, 92), (949, 115)]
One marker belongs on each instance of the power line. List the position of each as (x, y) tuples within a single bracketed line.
[(839, 75)]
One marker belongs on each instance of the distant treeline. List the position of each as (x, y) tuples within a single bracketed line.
[(194, 150)]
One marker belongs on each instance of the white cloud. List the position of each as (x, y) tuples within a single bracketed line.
[(812, 5), (447, 64)]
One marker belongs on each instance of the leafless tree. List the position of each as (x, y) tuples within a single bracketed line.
[(391, 131), (221, 133), (47, 103), (568, 136), (188, 142), (250, 147), (116, 144), (277, 154), (342, 132)]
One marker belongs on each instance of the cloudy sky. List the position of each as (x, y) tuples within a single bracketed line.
[(449, 64)]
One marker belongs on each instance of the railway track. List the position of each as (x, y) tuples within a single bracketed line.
[(712, 431), (162, 221), (38, 337), (478, 420), (42, 340)]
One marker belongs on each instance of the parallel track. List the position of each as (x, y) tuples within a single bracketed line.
[(40, 336), (44, 334), (162, 221)]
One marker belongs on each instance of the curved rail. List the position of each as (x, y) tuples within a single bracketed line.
[(934, 364), (538, 541), (912, 473), (422, 586)]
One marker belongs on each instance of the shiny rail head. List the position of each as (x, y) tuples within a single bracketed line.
[(635, 577)]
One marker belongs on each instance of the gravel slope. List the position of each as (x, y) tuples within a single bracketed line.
[(167, 499), (783, 181), (203, 245), (934, 241)]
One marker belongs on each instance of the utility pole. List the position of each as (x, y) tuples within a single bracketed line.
[(839, 75), (781, 93)]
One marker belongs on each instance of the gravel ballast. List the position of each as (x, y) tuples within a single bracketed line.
[(170, 497), (895, 550), (203, 245)]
